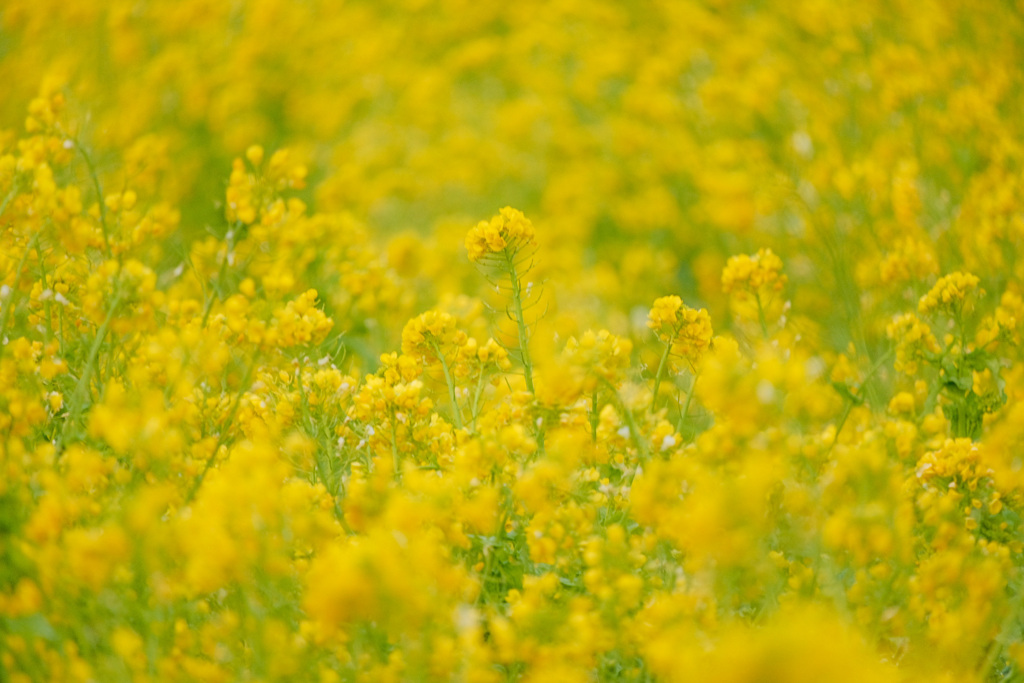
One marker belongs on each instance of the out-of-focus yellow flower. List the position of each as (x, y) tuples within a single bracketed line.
[(746, 273), (950, 295), (914, 340)]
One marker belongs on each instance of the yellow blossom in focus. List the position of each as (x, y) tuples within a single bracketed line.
[(506, 234), (687, 330)]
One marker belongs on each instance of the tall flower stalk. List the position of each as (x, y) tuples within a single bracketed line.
[(504, 246)]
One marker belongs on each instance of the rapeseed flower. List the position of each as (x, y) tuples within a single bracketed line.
[(261, 418)]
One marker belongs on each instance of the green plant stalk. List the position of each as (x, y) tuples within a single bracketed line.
[(99, 195), (49, 317), (220, 277), (847, 407), (657, 375), (83, 382), (9, 198), (517, 301), (995, 648), (760, 314), (634, 432), (476, 399), (499, 536), (223, 437), (686, 405), (11, 299), (395, 458), (456, 414)]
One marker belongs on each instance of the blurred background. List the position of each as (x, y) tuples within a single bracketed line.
[(872, 145)]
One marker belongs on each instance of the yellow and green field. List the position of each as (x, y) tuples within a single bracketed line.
[(475, 341)]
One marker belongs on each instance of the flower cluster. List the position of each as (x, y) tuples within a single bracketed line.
[(950, 295), (753, 274), (686, 330), (506, 234), (261, 419)]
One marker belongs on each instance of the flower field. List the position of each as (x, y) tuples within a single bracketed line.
[(451, 340)]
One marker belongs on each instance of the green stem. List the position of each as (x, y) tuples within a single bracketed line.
[(995, 649), (47, 306), (476, 399), (82, 388), (9, 306), (395, 458), (223, 436), (594, 417), (657, 375), (760, 314), (686, 406), (99, 195), (10, 197), (634, 431), (214, 295), (517, 301), (842, 423), (499, 536), (451, 386)]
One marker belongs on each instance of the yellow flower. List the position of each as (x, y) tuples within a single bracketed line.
[(950, 294), (602, 354), (504, 235), (300, 323), (914, 340), (688, 330), (762, 271), (432, 336)]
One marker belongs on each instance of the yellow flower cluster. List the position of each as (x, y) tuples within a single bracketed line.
[(300, 323), (432, 336), (745, 273), (604, 356), (248, 192), (506, 234), (950, 295), (914, 340), (686, 330), (910, 260), (261, 419)]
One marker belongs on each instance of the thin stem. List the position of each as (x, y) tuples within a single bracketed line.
[(686, 406), (760, 314), (10, 197), (99, 195), (451, 385), (49, 317), (331, 485), (842, 423), (83, 382), (395, 458), (476, 399), (499, 535), (517, 300), (634, 431), (223, 436), (657, 375), (594, 417), (220, 277), (995, 648), (14, 290)]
